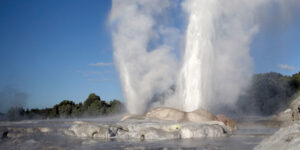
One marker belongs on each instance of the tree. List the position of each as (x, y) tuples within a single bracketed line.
[(296, 81), (92, 106), (97, 108), (54, 112), (269, 93), (115, 106), (77, 110), (91, 99), (65, 108)]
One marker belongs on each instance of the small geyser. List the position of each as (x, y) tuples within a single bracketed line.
[(143, 71)]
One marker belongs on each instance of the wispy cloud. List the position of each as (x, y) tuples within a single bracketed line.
[(101, 64), (88, 73), (99, 80), (286, 67)]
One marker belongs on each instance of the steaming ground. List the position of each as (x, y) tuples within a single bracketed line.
[(48, 134)]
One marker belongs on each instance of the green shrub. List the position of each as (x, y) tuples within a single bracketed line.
[(92, 106)]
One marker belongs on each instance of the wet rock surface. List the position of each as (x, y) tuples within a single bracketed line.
[(51, 134), (161, 123), (199, 116), (148, 130), (290, 114), (295, 107), (201, 131), (286, 138), (88, 130), (284, 116)]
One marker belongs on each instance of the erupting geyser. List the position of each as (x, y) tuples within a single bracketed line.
[(194, 85), (215, 65)]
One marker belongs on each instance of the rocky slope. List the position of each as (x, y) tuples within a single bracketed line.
[(288, 136)]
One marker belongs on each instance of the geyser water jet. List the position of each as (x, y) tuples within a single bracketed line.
[(194, 83), (216, 65)]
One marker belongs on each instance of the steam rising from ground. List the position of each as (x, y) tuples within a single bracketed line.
[(12, 97), (215, 66)]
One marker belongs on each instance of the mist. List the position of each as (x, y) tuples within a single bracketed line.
[(205, 63), (12, 97)]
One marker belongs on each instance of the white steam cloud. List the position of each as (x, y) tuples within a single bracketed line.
[(143, 71), (215, 66)]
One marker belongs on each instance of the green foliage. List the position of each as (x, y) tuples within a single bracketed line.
[(115, 106), (296, 80), (65, 108), (91, 99), (37, 113), (77, 111), (268, 94), (54, 112), (93, 106)]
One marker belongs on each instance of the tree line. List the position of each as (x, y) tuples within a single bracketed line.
[(91, 107), (269, 93)]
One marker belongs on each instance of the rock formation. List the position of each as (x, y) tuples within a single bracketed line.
[(290, 114), (288, 136), (165, 113), (171, 114), (227, 121), (295, 107), (158, 124)]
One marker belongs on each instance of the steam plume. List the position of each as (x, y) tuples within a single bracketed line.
[(143, 71), (216, 66), (12, 97)]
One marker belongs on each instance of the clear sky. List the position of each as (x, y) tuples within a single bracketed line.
[(61, 49)]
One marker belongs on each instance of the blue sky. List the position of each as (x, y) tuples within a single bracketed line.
[(276, 47), (61, 49), (48, 48)]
